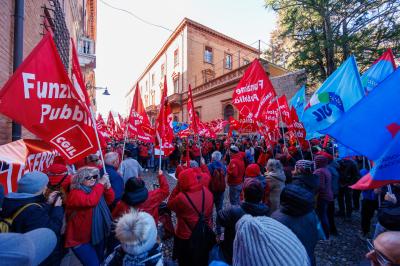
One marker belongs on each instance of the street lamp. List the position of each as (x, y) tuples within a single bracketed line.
[(88, 87)]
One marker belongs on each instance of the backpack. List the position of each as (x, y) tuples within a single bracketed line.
[(218, 182), (6, 223), (164, 216), (203, 237)]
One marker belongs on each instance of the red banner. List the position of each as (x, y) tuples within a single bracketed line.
[(164, 121), (254, 92), (193, 119), (111, 125), (138, 121), (41, 97)]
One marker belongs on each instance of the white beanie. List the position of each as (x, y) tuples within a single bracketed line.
[(265, 241), (137, 232)]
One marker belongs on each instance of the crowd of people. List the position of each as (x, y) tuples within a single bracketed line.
[(282, 200)]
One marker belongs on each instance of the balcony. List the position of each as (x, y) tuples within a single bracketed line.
[(175, 99), (86, 52)]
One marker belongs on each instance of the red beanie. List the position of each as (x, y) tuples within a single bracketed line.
[(325, 154), (56, 173), (253, 170)]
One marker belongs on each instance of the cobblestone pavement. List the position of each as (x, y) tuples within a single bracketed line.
[(345, 249)]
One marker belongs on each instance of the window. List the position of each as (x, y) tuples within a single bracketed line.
[(228, 61), (208, 54), (176, 85), (153, 79), (176, 57), (246, 61), (162, 70)]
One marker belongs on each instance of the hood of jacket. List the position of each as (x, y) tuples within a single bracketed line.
[(296, 200), (309, 182), (279, 175), (14, 201), (255, 209)]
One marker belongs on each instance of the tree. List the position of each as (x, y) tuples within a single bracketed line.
[(318, 35)]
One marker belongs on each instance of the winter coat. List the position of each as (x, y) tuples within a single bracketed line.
[(194, 152), (297, 213), (143, 151), (325, 184), (79, 210), (130, 168), (276, 182), (154, 199), (236, 169), (333, 169), (185, 214), (215, 165), (229, 216), (203, 176), (117, 182)]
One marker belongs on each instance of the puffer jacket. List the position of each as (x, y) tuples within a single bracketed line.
[(276, 182), (297, 213), (236, 169), (229, 216), (325, 184)]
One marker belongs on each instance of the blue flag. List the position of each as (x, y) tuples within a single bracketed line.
[(373, 123), (298, 101), (379, 70), (334, 98), (345, 152)]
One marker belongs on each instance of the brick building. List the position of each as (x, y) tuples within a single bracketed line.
[(212, 63), (67, 19)]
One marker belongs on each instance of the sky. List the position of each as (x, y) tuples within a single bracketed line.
[(126, 45)]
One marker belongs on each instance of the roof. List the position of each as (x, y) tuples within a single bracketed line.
[(185, 22)]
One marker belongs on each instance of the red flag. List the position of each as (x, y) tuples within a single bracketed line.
[(164, 120), (77, 78), (138, 121), (102, 131), (193, 120), (254, 92), (111, 125), (41, 97), (296, 128)]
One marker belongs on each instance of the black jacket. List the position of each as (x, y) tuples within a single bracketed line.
[(228, 218)]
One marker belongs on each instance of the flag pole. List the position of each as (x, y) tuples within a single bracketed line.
[(126, 136), (160, 142), (312, 156), (97, 138)]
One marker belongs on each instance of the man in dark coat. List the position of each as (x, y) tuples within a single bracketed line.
[(111, 160)]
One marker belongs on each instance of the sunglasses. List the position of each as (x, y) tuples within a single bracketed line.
[(382, 259), (92, 177)]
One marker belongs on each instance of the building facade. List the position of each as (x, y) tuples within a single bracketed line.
[(67, 19), (212, 63)]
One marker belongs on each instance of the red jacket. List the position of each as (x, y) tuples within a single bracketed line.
[(236, 169), (204, 176), (185, 214), (79, 212), (143, 151), (195, 151), (150, 205)]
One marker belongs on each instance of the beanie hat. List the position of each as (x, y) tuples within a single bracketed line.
[(135, 191), (32, 182), (187, 179), (325, 154), (320, 161), (264, 241), (305, 166), (59, 160), (253, 170), (234, 149), (56, 173), (296, 201), (253, 191), (137, 232)]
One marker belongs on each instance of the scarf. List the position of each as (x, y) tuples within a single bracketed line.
[(101, 220), (149, 258)]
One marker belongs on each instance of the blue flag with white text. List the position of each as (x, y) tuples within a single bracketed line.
[(371, 125), (333, 99), (298, 101)]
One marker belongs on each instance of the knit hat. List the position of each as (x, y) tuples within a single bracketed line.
[(59, 160), (389, 218), (296, 201), (264, 241), (234, 149), (320, 161), (253, 170), (56, 173), (32, 182), (135, 191), (304, 166), (30, 248), (253, 191), (325, 154), (137, 232)]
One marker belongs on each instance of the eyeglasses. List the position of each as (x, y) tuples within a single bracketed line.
[(381, 259), (91, 177)]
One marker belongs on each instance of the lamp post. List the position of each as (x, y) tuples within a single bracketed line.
[(89, 87)]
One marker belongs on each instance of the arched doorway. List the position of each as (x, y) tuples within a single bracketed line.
[(228, 112)]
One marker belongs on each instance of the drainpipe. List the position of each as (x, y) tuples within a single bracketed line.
[(18, 52)]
